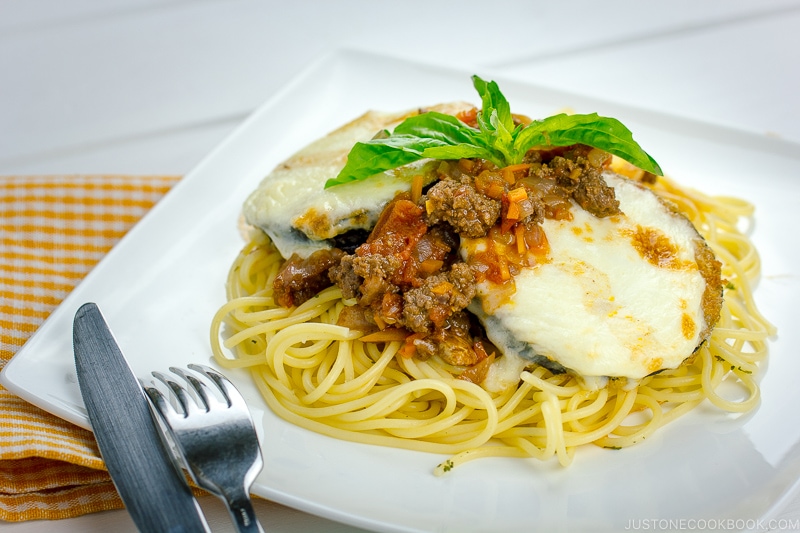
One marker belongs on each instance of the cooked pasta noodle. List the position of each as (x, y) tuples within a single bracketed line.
[(320, 376)]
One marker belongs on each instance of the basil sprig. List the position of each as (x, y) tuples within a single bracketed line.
[(439, 136)]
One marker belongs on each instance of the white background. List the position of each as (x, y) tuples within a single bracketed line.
[(150, 86)]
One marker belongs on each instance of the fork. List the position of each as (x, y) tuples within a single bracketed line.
[(215, 439)]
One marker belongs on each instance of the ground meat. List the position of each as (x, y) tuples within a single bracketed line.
[(427, 307), (536, 206), (345, 277), (403, 255), (452, 342), (566, 173), (571, 174), (469, 212), (300, 279), (377, 272), (595, 196)]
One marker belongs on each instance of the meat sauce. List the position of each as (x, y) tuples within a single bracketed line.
[(408, 279)]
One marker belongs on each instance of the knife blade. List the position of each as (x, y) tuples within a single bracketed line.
[(151, 486)]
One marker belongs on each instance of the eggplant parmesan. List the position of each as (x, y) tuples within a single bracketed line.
[(556, 260)]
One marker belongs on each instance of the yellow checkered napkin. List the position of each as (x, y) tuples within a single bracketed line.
[(53, 230)]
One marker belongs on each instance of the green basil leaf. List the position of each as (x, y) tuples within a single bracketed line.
[(435, 125), (439, 136), (605, 133), (503, 140), (463, 151), (379, 155), (431, 134), (493, 100)]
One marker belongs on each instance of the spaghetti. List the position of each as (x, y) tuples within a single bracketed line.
[(321, 376)]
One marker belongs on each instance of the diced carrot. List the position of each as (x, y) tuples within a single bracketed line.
[(517, 167), (468, 116), (429, 266), (495, 190), (502, 264), (379, 321), (466, 164), (409, 348), (442, 288), (518, 194), (386, 335), (416, 188), (519, 233)]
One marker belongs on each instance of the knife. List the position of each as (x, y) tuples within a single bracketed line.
[(153, 489)]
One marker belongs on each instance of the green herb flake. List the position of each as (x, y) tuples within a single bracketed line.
[(439, 136), (447, 465)]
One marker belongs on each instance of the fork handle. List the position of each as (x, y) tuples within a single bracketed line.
[(242, 513)]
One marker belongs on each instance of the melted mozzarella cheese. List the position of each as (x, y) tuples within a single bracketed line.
[(293, 207), (619, 296)]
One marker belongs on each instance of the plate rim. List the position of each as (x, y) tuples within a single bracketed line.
[(778, 146)]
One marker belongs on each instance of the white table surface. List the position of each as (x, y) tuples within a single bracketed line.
[(150, 86)]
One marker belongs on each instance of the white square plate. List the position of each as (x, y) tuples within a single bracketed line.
[(161, 285)]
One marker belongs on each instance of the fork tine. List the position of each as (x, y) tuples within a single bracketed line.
[(229, 392), (204, 398), (187, 404), (158, 399), (199, 429)]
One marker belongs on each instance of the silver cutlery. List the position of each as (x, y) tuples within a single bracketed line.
[(214, 436), (151, 485)]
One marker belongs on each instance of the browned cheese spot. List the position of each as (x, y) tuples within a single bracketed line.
[(316, 223), (688, 326), (655, 247), (655, 364)]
